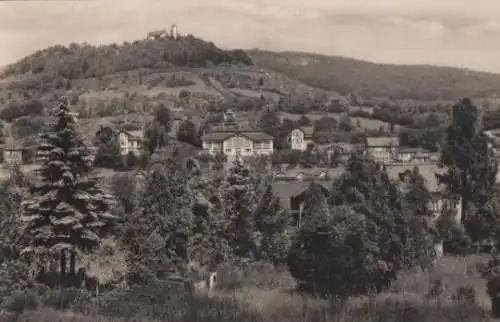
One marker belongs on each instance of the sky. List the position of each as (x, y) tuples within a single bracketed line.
[(462, 33)]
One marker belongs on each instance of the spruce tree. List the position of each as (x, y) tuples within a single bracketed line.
[(67, 212), (239, 206), (272, 223), (187, 133), (208, 245), (159, 232), (310, 254), (156, 134)]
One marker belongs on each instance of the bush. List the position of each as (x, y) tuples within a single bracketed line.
[(27, 126), (131, 160), (15, 110), (19, 301), (259, 275)]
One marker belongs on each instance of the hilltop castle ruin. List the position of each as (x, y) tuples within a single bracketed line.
[(158, 34)]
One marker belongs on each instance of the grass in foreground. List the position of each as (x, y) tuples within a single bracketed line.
[(407, 300)]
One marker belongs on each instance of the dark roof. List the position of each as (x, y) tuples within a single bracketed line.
[(313, 172), (412, 150), (177, 115), (292, 187), (221, 136), (428, 171), (138, 135), (308, 130), (382, 141), (285, 189)]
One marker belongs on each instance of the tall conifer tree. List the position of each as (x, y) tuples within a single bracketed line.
[(67, 212)]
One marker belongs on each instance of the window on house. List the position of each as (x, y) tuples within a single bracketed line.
[(228, 150)]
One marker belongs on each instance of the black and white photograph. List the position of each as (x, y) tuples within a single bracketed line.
[(249, 161)]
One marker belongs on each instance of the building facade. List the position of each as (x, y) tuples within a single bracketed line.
[(301, 137), (131, 141), (383, 149), (233, 143), (413, 155), (12, 155), (439, 201)]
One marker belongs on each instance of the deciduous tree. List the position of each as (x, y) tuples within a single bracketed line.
[(108, 154), (469, 161)]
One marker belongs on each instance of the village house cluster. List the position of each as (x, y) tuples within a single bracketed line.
[(291, 184)]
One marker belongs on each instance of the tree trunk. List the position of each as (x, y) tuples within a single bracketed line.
[(63, 263), (72, 263), (464, 196), (464, 209)]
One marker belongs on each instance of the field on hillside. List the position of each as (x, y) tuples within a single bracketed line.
[(195, 75), (345, 75), (407, 300), (365, 123)]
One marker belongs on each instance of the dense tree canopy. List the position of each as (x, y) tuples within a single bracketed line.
[(470, 163), (80, 61)]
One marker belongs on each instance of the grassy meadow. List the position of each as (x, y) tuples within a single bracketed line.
[(266, 295)]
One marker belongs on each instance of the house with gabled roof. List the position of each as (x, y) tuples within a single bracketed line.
[(238, 142), (130, 141), (418, 154), (301, 137), (428, 172), (12, 152), (290, 188), (383, 149), (292, 194)]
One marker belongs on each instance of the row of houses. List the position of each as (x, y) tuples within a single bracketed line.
[(255, 142), (293, 186), (251, 142)]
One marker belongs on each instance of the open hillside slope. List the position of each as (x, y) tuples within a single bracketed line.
[(344, 75), (123, 84)]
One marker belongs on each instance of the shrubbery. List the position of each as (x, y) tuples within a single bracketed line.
[(15, 110)]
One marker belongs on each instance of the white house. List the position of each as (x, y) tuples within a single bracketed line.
[(12, 155), (242, 143), (131, 141), (383, 149), (301, 137), (413, 155), (428, 172), (12, 152)]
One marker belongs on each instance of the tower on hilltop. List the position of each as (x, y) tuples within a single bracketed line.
[(173, 31)]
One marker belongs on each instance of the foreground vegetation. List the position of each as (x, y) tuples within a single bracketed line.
[(265, 296), (364, 249)]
